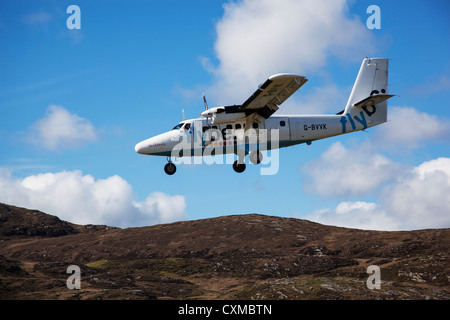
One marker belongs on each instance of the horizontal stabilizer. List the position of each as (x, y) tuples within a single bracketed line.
[(372, 100)]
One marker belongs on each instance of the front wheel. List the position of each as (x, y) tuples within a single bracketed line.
[(255, 157), (239, 168), (170, 168)]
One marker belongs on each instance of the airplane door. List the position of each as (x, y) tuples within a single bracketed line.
[(188, 132), (280, 123)]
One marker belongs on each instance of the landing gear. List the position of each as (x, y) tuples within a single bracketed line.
[(255, 157), (238, 167), (170, 168)]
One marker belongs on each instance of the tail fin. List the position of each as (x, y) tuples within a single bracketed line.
[(369, 93)]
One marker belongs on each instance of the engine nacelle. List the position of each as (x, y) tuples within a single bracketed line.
[(223, 118), (220, 116)]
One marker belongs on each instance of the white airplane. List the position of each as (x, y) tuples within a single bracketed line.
[(237, 129)]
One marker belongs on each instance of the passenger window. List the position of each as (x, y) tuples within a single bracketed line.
[(282, 123), (255, 125), (229, 126), (238, 126)]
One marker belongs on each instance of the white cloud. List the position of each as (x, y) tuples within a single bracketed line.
[(258, 38), (327, 99), (416, 199), (36, 18), (75, 36), (408, 129), (359, 215), (60, 129), (344, 172), (436, 85), (167, 208), (421, 199), (82, 199)]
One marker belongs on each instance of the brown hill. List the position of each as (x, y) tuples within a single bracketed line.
[(231, 257)]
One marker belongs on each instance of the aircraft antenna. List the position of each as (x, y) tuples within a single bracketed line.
[(184, 118)]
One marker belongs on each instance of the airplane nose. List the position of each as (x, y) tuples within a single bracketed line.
[(140, 148), (150, 146)]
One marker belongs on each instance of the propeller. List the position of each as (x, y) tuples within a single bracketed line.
[(204, 101), (206, 108)]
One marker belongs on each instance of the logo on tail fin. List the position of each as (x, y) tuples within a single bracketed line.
[(361, 119)]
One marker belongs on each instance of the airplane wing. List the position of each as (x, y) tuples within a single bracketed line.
[(266, 99)]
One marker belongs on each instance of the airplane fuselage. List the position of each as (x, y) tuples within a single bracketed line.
[(195, 135)]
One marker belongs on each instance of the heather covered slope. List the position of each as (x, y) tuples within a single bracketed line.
[(231, 257)]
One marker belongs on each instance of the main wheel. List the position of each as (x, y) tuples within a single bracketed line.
[(238, 167), (170, 168), (255, 157)]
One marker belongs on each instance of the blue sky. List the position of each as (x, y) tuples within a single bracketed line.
[(75, 102)]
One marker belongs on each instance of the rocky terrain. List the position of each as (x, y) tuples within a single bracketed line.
[(231, 257)]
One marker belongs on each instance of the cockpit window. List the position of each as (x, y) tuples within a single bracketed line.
[(178, 126), (182, 125)]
